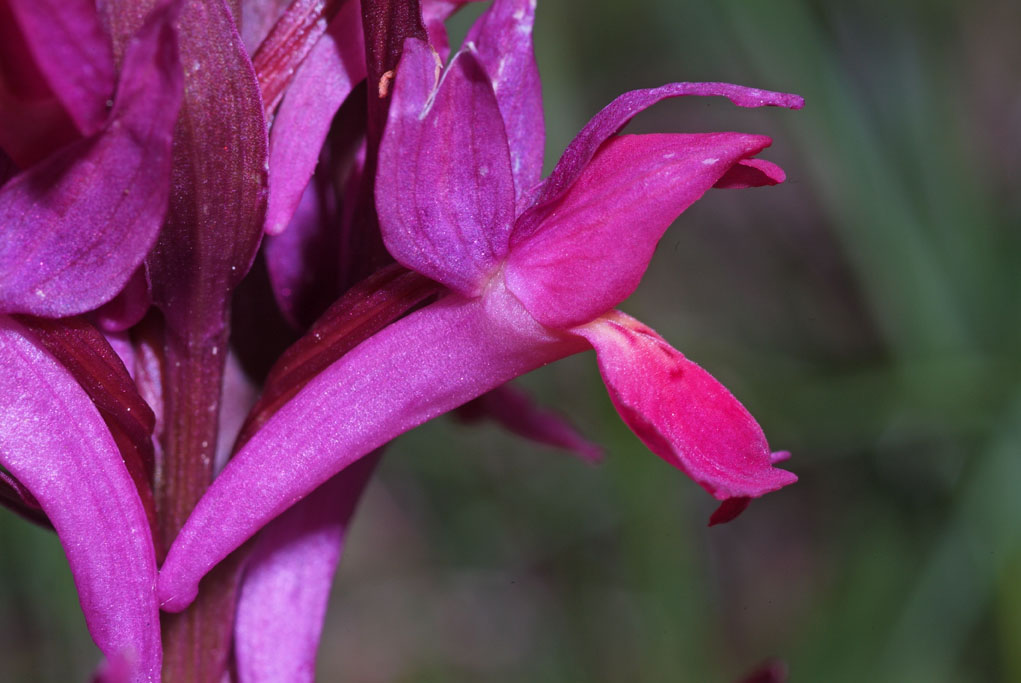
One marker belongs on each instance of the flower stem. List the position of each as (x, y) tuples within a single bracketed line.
[(196, 642), (194, 375)]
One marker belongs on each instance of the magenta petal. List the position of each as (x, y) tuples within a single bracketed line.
[(417, 368), (591, 247), (54, 441), (127, 308), (298, 259), (444, 191), (517, 412), (322, 83), (729, 510), (503, 38), (33, 122), (682, 414), (287, 582), (77, 225), (73, 54), (614, 117)]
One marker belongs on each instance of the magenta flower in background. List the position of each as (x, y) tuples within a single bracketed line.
[(533, 273)]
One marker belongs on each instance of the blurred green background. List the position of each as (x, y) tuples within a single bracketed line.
[(866, 312)]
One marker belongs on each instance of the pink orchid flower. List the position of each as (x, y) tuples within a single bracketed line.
[(533, 270)]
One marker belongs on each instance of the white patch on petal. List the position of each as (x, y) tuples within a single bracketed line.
[(710, 161)]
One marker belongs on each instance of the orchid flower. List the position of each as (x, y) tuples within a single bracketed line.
[(533, 271)]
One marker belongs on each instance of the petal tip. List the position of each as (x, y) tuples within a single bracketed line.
[(591, 455), (779, 456), (729, 510), (751, 173), (174, 598)]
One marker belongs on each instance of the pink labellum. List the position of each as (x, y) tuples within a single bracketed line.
[(682, 414)]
